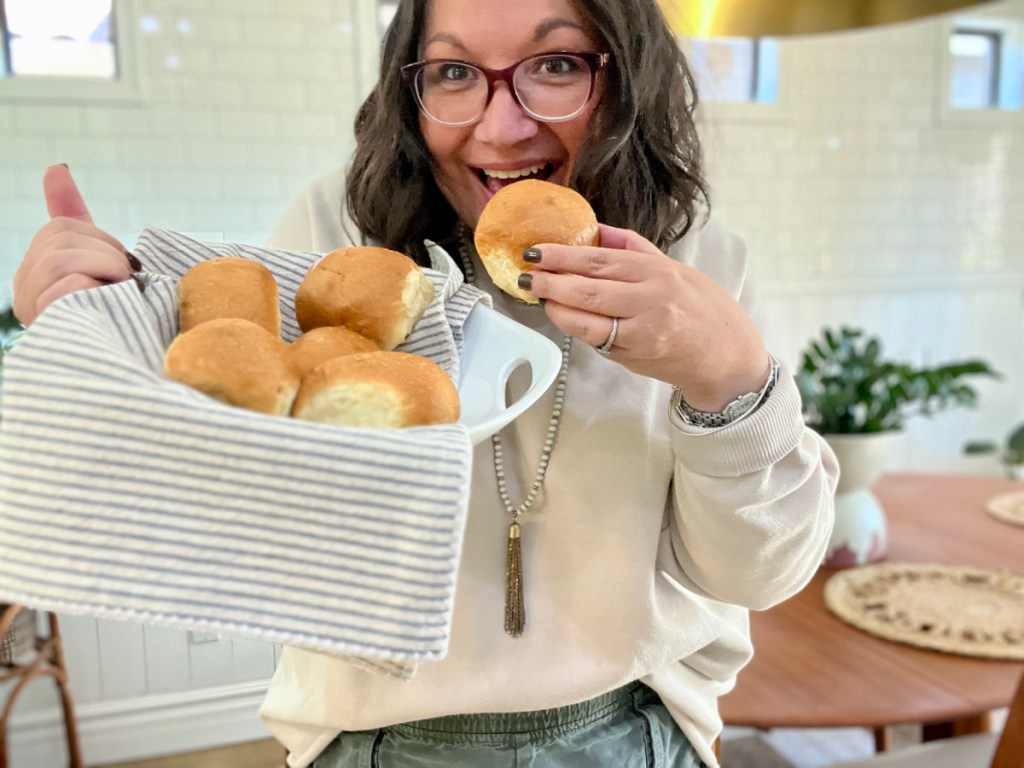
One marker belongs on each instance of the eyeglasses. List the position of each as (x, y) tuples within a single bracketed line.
[(551, 87)]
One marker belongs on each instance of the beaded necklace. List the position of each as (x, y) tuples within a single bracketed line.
[(515, 611)]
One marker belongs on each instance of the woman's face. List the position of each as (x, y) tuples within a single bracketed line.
[(473, 161)]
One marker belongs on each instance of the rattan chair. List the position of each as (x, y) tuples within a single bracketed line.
[(24, 656), (979, 750)]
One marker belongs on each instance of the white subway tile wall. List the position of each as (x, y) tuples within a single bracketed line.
[(860, 176), (865, 201), (242, 102)]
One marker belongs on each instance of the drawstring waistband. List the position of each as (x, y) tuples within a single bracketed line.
[(544, 723)]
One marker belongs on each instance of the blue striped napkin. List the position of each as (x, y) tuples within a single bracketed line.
[(124, 495)]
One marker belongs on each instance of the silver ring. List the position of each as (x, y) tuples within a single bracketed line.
[(606, 349)]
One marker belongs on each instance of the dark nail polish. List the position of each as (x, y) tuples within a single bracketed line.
[(133, 262), (65, 165), (139, 283), (525, 281), (531, 255)]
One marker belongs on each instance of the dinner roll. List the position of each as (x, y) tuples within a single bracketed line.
[(378, 389), (236, 362), (376, 292), (229, 287), (321, 344), (526, 213)]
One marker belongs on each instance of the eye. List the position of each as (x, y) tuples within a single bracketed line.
[(455, 72), (558, 65)]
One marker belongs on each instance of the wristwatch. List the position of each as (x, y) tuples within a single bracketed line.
[(742, 406)]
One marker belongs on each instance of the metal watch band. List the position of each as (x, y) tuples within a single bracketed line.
[(742, 406)]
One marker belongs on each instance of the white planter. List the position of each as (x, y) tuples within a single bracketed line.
[(860, 534)]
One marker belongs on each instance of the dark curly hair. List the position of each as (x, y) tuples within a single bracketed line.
[(639, 165)]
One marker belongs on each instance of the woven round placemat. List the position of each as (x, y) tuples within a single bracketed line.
[(1008, 507), (945, 608)]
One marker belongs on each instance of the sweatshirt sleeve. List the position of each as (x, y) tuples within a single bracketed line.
[(317, 220), (753, 502)]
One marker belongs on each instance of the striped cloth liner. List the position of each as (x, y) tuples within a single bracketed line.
[(127, 496)]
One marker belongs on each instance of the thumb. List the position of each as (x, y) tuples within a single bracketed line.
[(626, 240), (62, 196)]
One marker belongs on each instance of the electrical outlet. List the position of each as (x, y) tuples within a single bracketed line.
[(198, 636)]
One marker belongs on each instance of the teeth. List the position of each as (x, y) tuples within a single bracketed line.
[(514, 174)]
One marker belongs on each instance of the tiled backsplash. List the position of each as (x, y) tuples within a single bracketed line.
[(241, 103), (859, 172)]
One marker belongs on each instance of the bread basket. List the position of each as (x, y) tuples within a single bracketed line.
[(127, 496)]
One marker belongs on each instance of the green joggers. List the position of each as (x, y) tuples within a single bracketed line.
[(625, 728)]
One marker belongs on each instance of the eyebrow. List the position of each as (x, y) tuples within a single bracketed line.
[(550, 25), (543, 29)]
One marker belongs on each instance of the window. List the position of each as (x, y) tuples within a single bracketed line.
[(975, 76), (386, 10), (68, 51), (736, 69), (986, 67), (58, 38)]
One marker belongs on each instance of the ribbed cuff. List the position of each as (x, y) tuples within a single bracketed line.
[(749, 445)]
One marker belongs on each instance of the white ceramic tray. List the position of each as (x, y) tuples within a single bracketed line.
[(493, 347)]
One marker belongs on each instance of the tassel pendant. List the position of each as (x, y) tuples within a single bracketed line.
[(515, 614)]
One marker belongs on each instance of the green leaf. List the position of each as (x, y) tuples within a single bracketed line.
[(1016, 440), (846, 386), (980, 446), (968, 367)]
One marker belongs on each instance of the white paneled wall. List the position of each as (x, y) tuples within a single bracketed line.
[(862, 202)]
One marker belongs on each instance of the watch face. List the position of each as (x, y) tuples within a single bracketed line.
[(739, 406)]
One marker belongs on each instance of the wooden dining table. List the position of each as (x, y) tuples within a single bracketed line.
[(813, 670)]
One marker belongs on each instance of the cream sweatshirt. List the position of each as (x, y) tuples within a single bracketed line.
[(653, 541)]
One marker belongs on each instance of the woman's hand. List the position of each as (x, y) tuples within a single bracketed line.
[(676, 324), (67, 254)]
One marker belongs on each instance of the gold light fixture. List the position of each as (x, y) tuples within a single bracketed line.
[(772, 18)]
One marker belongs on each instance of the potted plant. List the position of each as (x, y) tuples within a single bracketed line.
[(857, 400)]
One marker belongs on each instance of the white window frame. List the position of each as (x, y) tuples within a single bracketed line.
[(747, 111), (1011, 33), (765, 52), (392, 6), (36, 88)]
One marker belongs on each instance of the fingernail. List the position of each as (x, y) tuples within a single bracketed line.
[(133, 261), (139, 283), (65, 165), (525, 281), (531, 255)]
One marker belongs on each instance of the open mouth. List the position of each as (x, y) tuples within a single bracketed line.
[(495, 180)]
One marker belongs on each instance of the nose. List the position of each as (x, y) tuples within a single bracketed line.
[(504, 122)]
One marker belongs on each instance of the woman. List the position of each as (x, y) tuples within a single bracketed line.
[(674, 485)]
